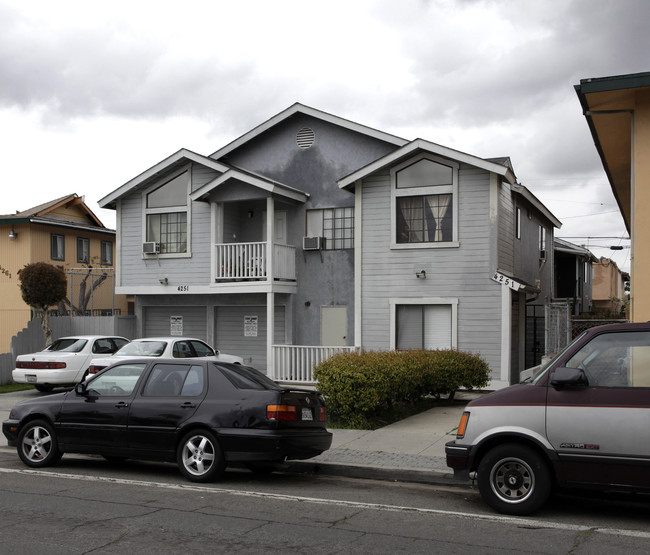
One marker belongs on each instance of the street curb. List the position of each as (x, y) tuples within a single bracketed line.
[(431, 477)]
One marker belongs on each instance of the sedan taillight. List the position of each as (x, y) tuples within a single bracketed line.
[(281, 412), (34, 365), (93, 368)]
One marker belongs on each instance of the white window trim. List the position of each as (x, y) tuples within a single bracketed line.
[(423, 191), (187, 208), (453, 301)]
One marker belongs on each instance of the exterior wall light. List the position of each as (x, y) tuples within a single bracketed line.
[(422, 274), (163, 281), (12, 234)]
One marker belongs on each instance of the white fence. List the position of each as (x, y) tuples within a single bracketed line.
[(295, 363)]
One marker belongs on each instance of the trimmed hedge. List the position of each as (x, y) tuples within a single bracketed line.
[(360, 386)]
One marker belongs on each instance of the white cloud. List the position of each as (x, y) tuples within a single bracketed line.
[(95, 93)]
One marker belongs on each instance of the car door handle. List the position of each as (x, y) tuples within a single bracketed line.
[(121, 405), (188, 405)]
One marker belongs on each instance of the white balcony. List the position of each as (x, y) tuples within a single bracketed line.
[(249, 261), (295, 363)]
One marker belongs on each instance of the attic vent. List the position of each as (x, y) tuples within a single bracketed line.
[(305, 137)]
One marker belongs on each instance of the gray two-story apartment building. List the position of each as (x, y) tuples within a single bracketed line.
[(311, 234)]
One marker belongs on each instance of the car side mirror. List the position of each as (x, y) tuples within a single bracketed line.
[(569, 377), (80, 389)]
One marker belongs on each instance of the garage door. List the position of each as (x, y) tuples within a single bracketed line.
[(189, 321), (241, 330)]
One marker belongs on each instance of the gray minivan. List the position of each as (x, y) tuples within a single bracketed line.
[(583, 420)]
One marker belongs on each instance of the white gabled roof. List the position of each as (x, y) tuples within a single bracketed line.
[(434, 148), (183, 154), (301, 108), (263, 183)]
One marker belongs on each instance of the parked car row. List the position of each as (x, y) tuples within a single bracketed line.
[(69, 360), (201, 413)]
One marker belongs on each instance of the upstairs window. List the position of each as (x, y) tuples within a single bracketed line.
[(167, 214), (336, 225), (83, 250), (57, 247), (423, 193), (107, 253)]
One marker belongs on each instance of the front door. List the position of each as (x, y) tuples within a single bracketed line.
[(334, 326), (280, 227), (601, 431), (98, 419)]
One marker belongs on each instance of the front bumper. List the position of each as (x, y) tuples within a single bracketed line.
[(10, 431), (459, 459)]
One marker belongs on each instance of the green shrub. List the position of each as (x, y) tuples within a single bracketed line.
[(361, 386)]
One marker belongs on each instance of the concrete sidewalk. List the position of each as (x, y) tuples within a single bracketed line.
[(411, 450)]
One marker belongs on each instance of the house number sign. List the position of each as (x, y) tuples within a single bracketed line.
[(506, 281)]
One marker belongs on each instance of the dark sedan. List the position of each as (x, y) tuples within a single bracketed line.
[(201, 414)]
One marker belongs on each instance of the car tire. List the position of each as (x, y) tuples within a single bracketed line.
[(514, 479), (199, 457), (37, 444), (44, 388)]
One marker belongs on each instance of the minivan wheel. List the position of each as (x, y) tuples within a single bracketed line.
[(37, 444), (199, 457), (513, 479)]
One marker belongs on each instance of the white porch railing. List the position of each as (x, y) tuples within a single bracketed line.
[(295, 363), (240, 261)]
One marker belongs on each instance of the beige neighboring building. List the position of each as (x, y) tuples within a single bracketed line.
[(617, 110), (63, 232), (608, 288)]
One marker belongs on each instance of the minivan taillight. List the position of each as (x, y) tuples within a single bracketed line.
[(322, 414), (34, 365), (281, 412)]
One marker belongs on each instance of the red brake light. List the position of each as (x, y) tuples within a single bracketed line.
[(281, 412), (322, 414), (34, 365), (93, 368)]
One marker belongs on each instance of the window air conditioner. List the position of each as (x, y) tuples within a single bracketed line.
[(150, 247), (312, 243)]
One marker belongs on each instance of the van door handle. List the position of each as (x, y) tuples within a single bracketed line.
[(188, 405)]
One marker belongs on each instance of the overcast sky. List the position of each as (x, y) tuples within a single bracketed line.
[(94, 93)]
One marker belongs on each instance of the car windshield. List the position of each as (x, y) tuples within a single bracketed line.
[(68, 345), (245, 377), (143, 349), (541, 371)]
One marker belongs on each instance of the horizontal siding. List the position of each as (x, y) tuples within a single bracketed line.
[(506, 227), (136, 270), (462, 272)]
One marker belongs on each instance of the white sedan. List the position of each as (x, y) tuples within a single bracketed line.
[(65, 362), (167, 347)]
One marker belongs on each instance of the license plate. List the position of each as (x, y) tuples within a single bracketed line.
[(31, 379), (306, 414)]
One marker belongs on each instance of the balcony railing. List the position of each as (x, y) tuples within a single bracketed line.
[(249, 261), (295, 363)]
